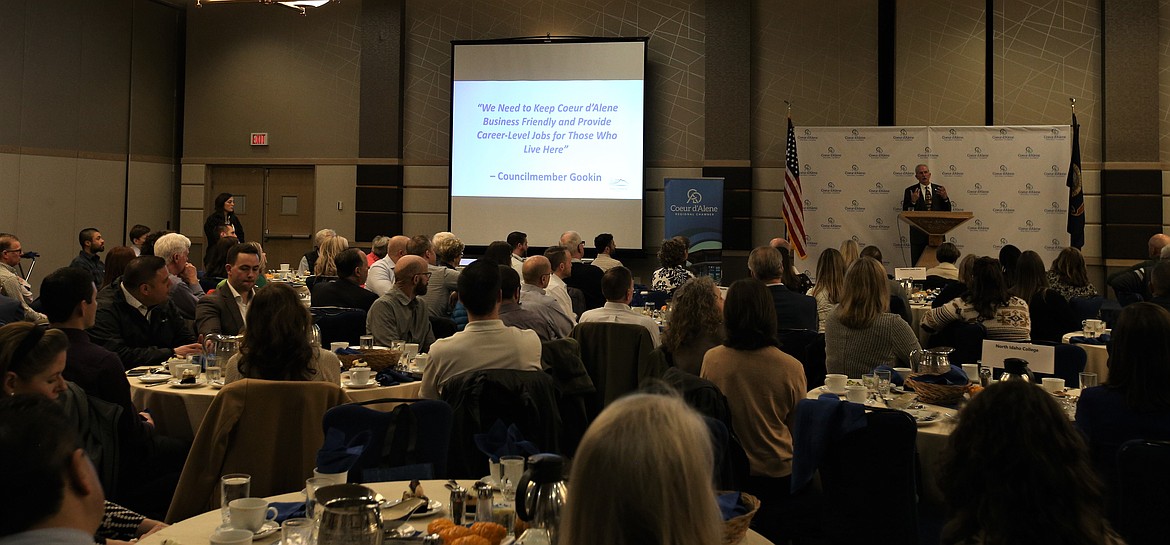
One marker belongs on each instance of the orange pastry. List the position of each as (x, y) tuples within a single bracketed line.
[(439, 524), (451, 533), (491, 531), (470, 540)]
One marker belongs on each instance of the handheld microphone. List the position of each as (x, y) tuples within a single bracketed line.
[(30, 255)]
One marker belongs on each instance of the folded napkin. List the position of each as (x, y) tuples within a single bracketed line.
[(288, 509), (1081, 339), (347, 352), (336, 455), (954, 377), (730, 506), (390, 377), (819, 423), (504, 440)]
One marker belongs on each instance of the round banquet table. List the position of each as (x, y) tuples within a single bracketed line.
[(177, 412), (196, 530), (1096, 357)]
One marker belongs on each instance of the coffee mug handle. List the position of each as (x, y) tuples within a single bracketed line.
[(271, 514)]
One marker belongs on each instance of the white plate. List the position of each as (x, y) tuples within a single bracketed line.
[(154, 379), (925, 417), (433, 508), (216, 384), (174, 383), (349, 384), (826, 389)]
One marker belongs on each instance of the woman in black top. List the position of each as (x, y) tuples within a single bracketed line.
[(1049, 310), (225, 213)]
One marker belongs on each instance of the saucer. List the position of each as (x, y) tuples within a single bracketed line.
[(837, 392), (154, 378), (349, 384), (216, 384), (174, 383), (270, 527), (431, 508)]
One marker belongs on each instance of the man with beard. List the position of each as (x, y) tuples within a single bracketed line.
[(401, 314), (87, 259)]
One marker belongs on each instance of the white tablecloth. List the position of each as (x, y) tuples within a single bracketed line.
[(196, 530), (1097, 358)]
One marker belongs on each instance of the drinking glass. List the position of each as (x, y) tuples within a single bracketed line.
[(311, 486), (214, 374), (883, 382), (513, 468), (366, 342), (869, 381), (296, 531), (1088, 380), (232, 486)]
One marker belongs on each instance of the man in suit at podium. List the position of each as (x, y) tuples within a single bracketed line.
[(923, 196)]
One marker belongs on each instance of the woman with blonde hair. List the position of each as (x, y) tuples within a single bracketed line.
[(643, 475), (830, 284), (1070, 276), (328, 251), (696, 323), (850, 251), (861, 333)]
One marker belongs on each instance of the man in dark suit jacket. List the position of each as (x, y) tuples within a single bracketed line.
[(223, 312), (346, 290), (136, 318), (923, 196), (793, 310), (584, 277)]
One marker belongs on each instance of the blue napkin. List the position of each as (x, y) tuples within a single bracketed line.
[(347, 352), (819, 423), (1081, 339), (504, 440), (288, 509), (337, 456), (730, 506), (954, 377), (390, 377)]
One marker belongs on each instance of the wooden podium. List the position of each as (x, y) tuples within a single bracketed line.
[(936, 225)]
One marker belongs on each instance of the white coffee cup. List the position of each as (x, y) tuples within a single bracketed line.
[(420, 361), (835, 383), (335, 478), (856, 393), (903, 371), (250, 513), (1052, 385), (232, 537), (284, 267), (409, 350), (359, 375), (334, 347)]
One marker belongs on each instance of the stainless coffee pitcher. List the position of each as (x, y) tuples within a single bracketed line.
[(933, 361), (350, 521)]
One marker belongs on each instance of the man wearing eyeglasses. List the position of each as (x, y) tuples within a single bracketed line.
[(401, 314), (11, 283)]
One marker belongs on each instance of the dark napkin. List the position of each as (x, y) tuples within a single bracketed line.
[(347, 352), (1081, 339), (288, 509), (503, 440), (390, 377), (954, 377), (730, 506), (337, 456)]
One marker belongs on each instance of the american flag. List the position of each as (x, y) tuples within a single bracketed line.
[(793, 199)]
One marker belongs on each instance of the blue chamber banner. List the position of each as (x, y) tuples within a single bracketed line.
[(694, 209)]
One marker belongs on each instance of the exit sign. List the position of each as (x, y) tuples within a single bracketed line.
[(259, 139)]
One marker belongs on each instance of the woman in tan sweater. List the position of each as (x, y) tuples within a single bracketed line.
[(762, 385)]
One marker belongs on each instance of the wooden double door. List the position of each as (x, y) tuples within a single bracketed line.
[(276, 206)]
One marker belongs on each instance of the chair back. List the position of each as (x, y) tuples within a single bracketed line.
[(561, 359), (269, 429), (1070, 362), (965, 338), (409, 441), (527, 399), (442, 326), (808, 347), (1142, 491), (1086, 307), (870, 478), (339, 324), (616, 356)]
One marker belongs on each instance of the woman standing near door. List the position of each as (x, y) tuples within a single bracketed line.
[(225, 206)]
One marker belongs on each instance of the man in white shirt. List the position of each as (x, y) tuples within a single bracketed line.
[(486, 343), (519, 243), (381, 276), (562, 268), (618, 287), (605, 250), (225, 311), (537, 273)]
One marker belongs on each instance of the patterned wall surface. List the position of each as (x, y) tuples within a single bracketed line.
[(820, 56), (941, 62), (675, 85), (1047, 51), (1164, 78)]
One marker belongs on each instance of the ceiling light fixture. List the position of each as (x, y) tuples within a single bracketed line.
[(298, 5)]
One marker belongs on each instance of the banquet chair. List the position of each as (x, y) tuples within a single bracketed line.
[(1142, 491), (965, 338), (808, 347), (269, 429), (526, 399), (617, 358), (1070, 362), (561, 359), (407, 442), (870, 478), (339, 324), (1086, 307)]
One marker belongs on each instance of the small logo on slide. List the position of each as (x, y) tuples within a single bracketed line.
[(694, 197), (830, 188), (619, 183), (878, 225), (978, 154)]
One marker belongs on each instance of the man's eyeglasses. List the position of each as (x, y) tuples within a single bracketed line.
[(13, 251)]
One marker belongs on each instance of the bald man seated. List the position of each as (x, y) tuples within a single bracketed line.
[(401, 314)]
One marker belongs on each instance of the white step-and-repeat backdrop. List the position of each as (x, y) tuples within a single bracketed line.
[(1011, 178)]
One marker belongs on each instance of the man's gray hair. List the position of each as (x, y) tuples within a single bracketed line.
[(321, 235), (170, 245)]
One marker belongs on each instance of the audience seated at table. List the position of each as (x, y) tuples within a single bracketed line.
[(987, 302), (401, 314), (346, 290), (326, 266), (378, 248), (442, 282), (32, 361), (899, 299), (309, 261), (536, 275), (1009, 255), (617, 284), (696, 324), (137, 320), (946, 272), (225, 311), (618, 497), (794, 309), (562, 267), (276, 342), (830, 284), (116, 260), (585, 276), (672, 257), (486, 343), (12, 282), (1134, 403), (448, 250), (381, 277), (850, 251), (185, 288), (519, 317), (861, 333), (1013, 479), (1049, 311), (215, 262), (956, 289), (762, 385), (1069, 276), (137, 236)]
